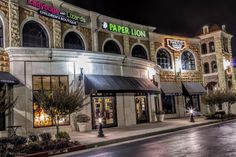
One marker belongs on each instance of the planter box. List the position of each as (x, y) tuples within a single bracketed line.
[(76, 148), (160, 117), (40, 154)]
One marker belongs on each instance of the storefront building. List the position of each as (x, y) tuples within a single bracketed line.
[(129, 71)]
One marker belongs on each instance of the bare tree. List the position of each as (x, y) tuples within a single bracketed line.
[(61, 103)]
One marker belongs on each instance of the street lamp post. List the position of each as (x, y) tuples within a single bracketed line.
[(100, 131), (191, 119)]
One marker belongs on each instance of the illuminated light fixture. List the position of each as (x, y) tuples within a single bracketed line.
[(151, 73), (178, 66), (226, 63)]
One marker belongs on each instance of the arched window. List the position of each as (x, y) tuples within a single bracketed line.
[(211, 86), (213, 66), (206, 68), (164, 59), (204, 48), (139, 52), (73, 41), (34, 35), (1, 33), (212, 46), (112, 47), (188, 61)]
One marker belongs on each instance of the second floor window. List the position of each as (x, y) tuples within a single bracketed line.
[(206, 68), (225, 44), (112, 47), (204, 48), (139, 52), (1, 34), (34, 35), (212, 46), (164, 59), (188, 61), (73, 41)]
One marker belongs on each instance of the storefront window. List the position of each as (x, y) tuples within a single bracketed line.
[(192, 101), (104, 107), (141, 106), (34, 35), (168, 104), (48, 84)]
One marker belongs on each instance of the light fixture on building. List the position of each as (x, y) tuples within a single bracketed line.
[(151, 73), (81, 75)]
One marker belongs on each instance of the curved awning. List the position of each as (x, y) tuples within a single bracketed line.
[(7, 78), (112, 83)]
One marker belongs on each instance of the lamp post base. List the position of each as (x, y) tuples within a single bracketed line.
[(191, 119), (100, 131)]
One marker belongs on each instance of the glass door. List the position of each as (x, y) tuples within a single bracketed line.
[(141, 109), (105, 108)]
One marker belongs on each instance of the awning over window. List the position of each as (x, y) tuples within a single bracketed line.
[(171, 88), (6, 77), (101, 83), (193, 88)]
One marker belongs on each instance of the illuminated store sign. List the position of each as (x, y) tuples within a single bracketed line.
[(123, 30), (176, 45), (57, 14)]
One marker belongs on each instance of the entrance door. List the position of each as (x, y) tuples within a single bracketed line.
[(105, 108), (141, 109), (192, 101)]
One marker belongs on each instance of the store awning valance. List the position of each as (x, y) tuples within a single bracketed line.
[(171, 88), (111, 83), (6, 77), (193, 88)]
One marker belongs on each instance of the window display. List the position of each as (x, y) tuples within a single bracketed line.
[(49, 84), (141, 109)]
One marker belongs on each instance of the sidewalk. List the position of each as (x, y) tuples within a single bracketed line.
[(115, 135)]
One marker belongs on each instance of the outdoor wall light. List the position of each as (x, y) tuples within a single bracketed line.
[(151, 73), (81, 75), (100, 131), (178, 66)]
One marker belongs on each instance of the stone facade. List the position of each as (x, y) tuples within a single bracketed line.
[(26, 62)]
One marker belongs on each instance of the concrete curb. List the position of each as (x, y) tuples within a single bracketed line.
[(124, 139)]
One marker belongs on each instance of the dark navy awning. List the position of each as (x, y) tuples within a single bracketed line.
[(193, 88), (112, 83), (171, 88), (6, 77)]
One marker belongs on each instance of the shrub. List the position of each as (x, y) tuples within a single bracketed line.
[(33, 138), (32, 148), (18, 140), (63, 135), (82, 118), (62, 144), (46, 137)]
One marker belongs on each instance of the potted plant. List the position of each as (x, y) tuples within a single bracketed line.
[(160, 115), (82, 120)]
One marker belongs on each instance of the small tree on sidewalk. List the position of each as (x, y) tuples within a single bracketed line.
[(61, 103), (216, 98), (230, 98)]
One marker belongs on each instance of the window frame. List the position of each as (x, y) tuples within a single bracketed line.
[(139, 55), (185, 64), (168, 63), (80, 39)]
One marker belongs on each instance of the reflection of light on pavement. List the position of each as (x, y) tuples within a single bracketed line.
[(107, 154), (194, 141)]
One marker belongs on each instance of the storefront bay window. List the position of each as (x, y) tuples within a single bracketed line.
[(48, 84), (104, 106), (141, 106)]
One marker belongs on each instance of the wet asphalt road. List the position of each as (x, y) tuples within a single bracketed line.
[(213, 141)]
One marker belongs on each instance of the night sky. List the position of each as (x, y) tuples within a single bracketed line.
[(178, 17)]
